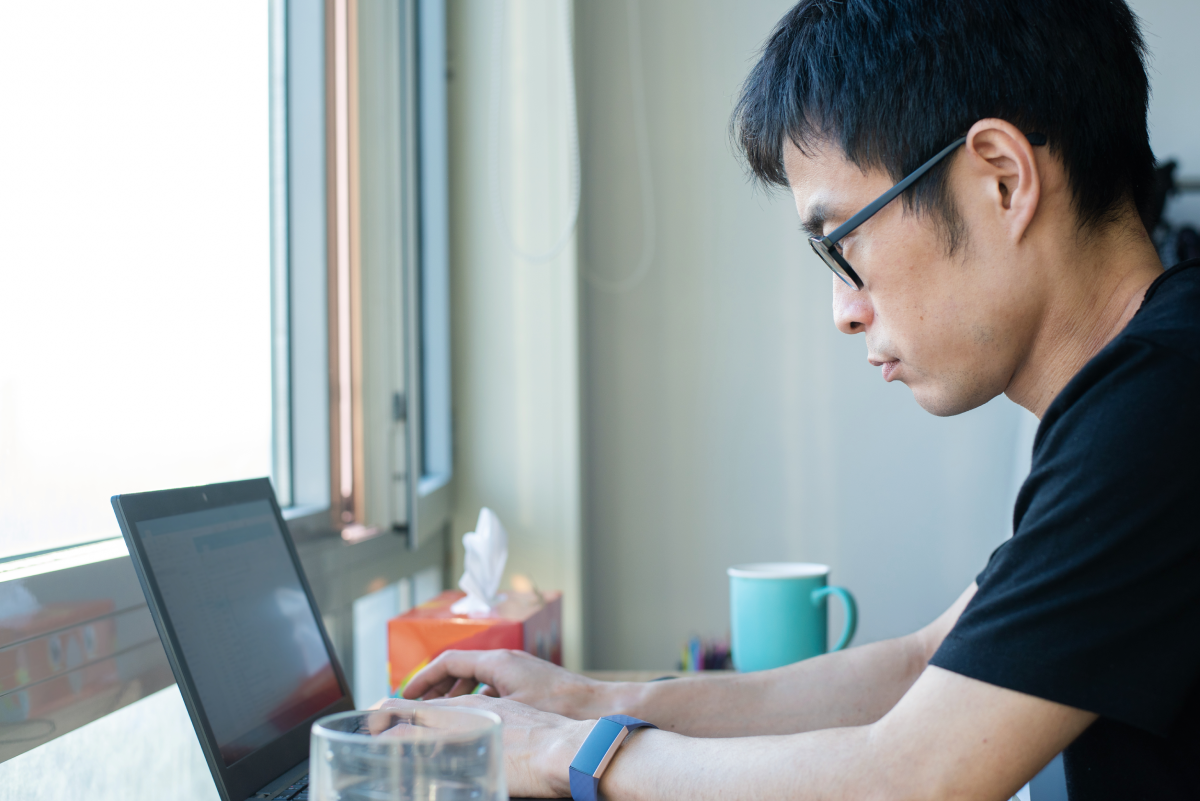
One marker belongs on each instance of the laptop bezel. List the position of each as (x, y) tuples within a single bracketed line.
[(245, 777)]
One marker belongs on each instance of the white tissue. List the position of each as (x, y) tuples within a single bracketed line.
[(486, 553)]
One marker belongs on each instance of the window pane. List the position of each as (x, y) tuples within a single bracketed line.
[(134, 257), (436, 446)]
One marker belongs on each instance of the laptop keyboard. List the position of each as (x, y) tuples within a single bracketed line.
[(297, 792)]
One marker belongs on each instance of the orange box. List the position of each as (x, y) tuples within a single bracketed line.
[(522, 622)]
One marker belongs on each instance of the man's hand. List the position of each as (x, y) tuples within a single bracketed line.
[(538, 746), (515, 675)]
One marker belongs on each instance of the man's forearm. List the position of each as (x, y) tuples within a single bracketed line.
[(949, 737), (656, 766), (846, 688)]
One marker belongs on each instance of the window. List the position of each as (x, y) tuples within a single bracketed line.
[(135, 291), (436, 444), (433, 445), (299, 256), (211, 270)]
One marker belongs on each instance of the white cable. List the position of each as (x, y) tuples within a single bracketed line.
[(642, 142), (499, 81)]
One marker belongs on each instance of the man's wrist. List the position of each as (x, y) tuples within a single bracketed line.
[(620, 698), (599, 698), (557, 768)]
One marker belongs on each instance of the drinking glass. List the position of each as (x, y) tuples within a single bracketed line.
[(417, 753)]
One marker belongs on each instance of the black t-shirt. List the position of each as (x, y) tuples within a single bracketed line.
[(1095, 600)]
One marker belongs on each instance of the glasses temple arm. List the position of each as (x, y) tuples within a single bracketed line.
[(887, 197), (1035, 139)]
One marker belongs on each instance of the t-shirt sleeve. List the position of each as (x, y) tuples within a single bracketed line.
[(1095, 600)]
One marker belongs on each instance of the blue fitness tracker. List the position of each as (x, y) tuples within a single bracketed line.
[(597, 751)]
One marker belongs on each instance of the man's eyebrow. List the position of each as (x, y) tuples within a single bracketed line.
[(814, 223)]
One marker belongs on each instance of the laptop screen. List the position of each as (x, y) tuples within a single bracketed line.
[(245, 626)]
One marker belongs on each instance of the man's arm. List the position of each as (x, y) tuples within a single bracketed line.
[(847, 688), (949, 737)]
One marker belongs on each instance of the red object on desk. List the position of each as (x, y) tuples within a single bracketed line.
[(522, 621)]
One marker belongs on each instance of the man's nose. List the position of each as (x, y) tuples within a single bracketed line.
[(852, 312)]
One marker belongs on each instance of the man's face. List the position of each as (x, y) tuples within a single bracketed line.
[(953, 328)]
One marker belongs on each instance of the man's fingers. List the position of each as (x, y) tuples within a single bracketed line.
[(462, 687), (378, 722), (388, 715), (449, 665), (439, 689), (393, 717)]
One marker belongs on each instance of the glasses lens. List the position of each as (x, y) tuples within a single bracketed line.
[(834, 261)]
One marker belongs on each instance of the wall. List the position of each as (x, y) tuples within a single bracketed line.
[(1171, 28), (515, 324), (722, 417), (726, 420)]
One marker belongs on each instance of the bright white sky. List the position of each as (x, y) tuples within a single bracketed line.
[(134, 257)]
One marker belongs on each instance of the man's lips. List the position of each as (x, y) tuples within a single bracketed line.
[(889, 366)]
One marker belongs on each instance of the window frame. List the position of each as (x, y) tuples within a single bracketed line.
[(429, 339)]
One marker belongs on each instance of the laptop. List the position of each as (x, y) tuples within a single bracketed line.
[(243, 635)]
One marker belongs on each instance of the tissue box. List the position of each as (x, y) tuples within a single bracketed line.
[(522, 621)]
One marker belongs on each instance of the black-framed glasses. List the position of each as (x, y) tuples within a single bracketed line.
[(827, 246)]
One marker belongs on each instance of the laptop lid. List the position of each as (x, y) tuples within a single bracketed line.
[(239, 625)]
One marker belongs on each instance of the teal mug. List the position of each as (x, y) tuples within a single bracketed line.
[(778, 613)]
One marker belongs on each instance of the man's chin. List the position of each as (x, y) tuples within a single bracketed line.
[(943, 403)]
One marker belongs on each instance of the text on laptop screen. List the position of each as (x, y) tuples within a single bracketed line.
[(243, 622)]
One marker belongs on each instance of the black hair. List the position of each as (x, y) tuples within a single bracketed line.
[(891, 82)]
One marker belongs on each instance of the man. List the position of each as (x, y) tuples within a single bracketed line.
[(1016, 264)]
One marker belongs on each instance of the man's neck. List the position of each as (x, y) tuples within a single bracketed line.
[(1099, 288)]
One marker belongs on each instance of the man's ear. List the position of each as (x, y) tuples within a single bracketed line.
[(1002, 163)]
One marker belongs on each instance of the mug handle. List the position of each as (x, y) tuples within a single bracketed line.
[(851, 612)]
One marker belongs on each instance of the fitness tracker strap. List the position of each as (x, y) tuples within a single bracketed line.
[(597, 751)]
